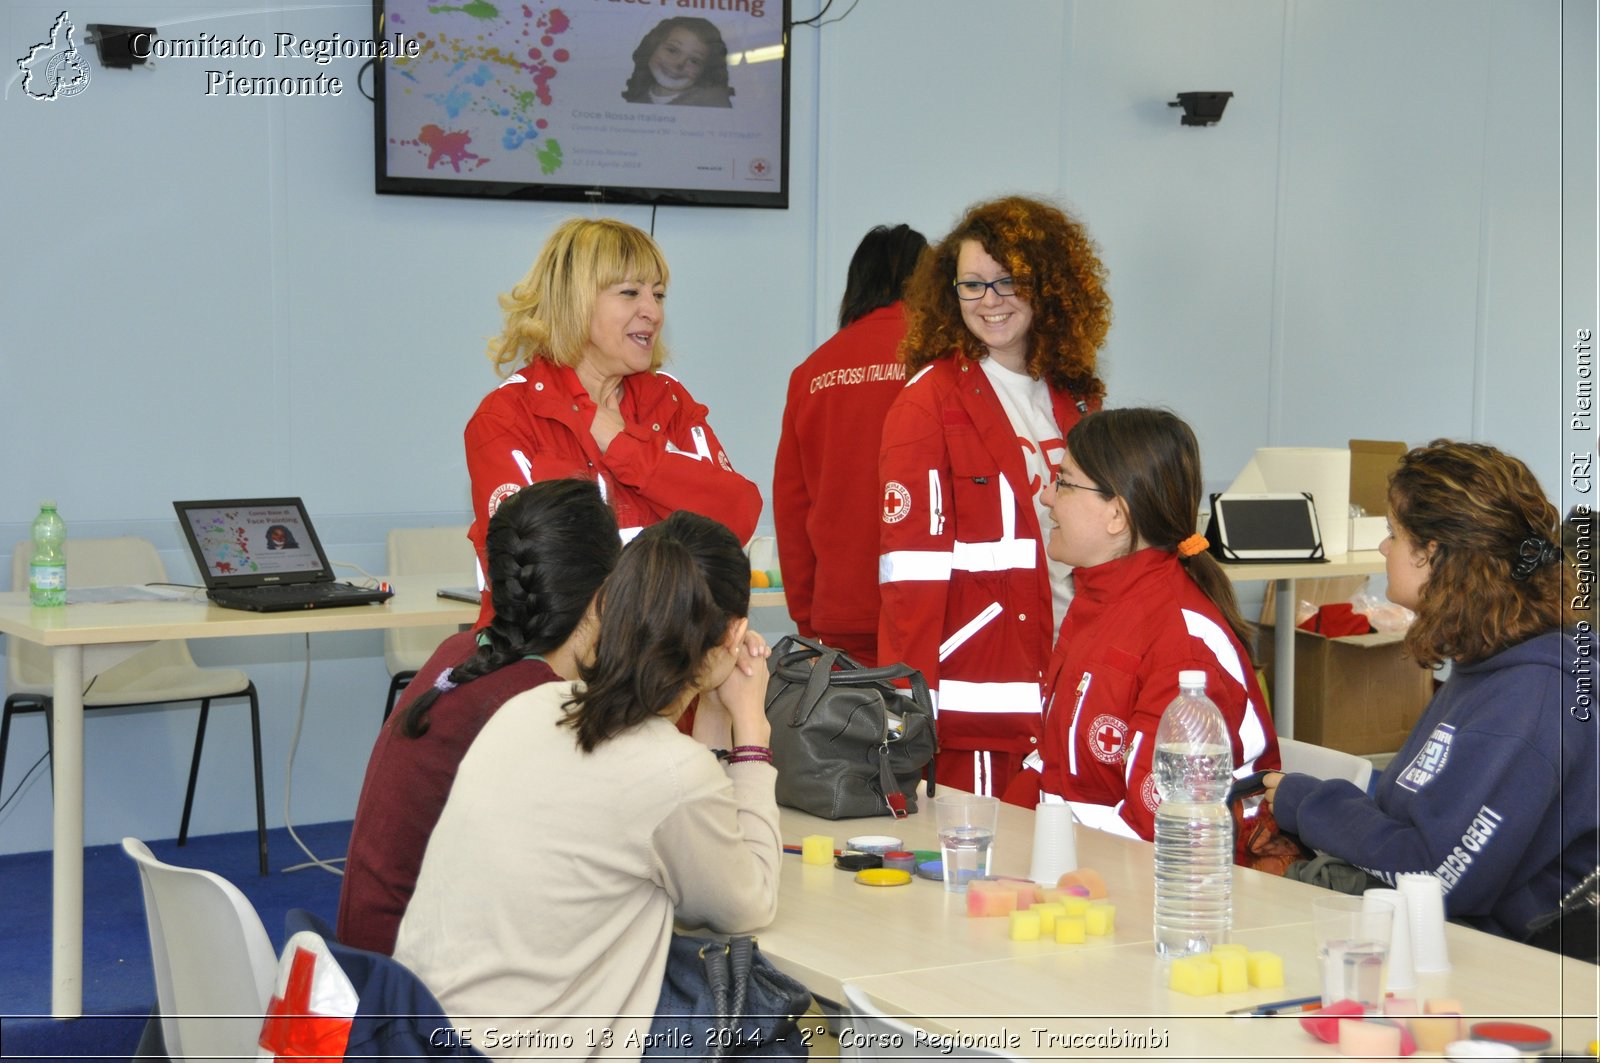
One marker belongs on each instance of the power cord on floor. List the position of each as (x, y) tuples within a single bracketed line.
[(288, 779)]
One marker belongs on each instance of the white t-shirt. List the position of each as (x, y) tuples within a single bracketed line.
[(1027, 405)]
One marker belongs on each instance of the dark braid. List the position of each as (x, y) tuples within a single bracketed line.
[(550, 546)]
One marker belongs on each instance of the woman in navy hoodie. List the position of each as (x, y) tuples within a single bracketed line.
[(1495, 789)]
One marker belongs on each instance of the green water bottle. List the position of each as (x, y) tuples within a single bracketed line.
[(47, 575)]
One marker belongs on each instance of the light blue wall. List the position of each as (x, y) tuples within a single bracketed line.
[(206, 298)]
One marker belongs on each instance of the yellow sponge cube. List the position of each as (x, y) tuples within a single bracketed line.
[(1231, 971), (1195, 975), (1075, 906), (1048, 914), (1099, 919), (1025, 926), (1070, 930), (1266, 969)]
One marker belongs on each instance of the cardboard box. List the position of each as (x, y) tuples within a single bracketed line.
[(1371, 462), (1359, 693)]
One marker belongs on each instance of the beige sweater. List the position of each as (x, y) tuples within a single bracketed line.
[(549, 888)]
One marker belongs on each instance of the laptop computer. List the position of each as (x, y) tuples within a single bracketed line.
[(262, 554)]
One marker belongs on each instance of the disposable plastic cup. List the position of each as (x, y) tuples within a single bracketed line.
[(1055, 843), (1424, 896), (966, 836), (1402, 970), (1353, 937)]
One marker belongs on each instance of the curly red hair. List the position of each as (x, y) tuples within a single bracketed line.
[(1472, 506), (1057, 268)]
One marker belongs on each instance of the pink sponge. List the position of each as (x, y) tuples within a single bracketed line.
[(1370, 1040), (1323, 1024), (988, 899)]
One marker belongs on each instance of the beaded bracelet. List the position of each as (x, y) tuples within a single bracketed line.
[(750, 754)]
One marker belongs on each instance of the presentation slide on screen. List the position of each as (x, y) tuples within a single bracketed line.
[(264, 539), (640, 93)]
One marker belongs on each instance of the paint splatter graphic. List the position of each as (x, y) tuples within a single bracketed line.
[(470, 85), (550, 157), (225, 543)]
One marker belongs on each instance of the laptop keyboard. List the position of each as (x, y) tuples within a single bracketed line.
[(298, 592)]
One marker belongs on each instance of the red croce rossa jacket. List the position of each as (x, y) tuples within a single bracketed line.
[(962, 570), (535, 426)]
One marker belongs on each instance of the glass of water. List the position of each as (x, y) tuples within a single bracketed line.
[(1353, 948), (966, 836)]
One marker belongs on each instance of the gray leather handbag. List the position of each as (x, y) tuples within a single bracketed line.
[(846, 741)]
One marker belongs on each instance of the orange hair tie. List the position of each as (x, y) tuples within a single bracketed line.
[(1194, 544)]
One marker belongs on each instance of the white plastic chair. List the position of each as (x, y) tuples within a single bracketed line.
[(161, 674), (875, 1035), (1324, 763), (214, 964), (422, 550)]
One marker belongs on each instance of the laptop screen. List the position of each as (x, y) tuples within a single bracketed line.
[(252, 542)]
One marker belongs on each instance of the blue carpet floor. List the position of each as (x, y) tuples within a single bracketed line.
[(118, 986)]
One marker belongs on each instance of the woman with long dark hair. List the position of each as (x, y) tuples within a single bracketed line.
[(550, 545), (1150, 603), (583, 823), (1495, 788)]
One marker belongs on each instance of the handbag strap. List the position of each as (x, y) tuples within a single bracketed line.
[(714, 956), (824, 671)]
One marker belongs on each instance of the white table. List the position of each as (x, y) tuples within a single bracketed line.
[(85, 640), (1284, 574), (915, 953)]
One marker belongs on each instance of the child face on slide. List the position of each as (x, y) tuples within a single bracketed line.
[(679, 60)]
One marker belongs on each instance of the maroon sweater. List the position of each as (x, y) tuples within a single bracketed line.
[(407, 782)]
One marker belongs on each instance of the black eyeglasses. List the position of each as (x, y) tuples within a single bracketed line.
[(1062, 485), (972, 291)]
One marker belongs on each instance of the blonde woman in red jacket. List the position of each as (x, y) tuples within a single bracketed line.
[(582, 346), (1006, 317)]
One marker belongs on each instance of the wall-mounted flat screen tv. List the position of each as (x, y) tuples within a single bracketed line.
[(631, 101)]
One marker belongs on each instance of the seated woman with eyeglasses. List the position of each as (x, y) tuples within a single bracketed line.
[(582, 822), (1495, 789), (1005, 317), (1150, 603)]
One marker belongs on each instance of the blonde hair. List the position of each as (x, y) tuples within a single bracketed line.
[(548, 312)]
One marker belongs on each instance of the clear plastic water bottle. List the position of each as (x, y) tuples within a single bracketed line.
[(1193, 830), (47, 575)]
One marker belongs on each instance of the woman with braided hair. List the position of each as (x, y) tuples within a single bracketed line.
[(584, 823), (550, 546), (1150, 603), (1495, 789)]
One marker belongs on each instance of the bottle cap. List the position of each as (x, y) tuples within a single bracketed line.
[(1192, 678)]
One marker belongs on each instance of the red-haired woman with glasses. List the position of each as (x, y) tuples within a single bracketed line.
[(1005, 318)]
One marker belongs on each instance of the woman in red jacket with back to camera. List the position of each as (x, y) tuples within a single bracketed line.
[(1005, 318), (824, 496), (584, 398)]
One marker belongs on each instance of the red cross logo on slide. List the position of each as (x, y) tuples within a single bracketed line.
[(1107, 737)]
